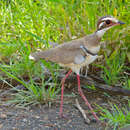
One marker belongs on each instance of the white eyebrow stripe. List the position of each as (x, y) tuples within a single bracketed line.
[(112, 19)]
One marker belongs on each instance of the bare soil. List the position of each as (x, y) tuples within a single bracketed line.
[(42, 117)]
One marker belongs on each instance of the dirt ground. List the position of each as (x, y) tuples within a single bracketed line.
[(41, 117)]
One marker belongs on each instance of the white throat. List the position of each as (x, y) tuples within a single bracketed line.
[(101, 32)]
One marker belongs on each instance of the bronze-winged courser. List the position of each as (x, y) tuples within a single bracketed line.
[(78, 53)]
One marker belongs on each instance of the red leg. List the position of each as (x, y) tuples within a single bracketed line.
[(84, 98), (62, 92)]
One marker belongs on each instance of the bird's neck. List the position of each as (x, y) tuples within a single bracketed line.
[(101, 32), (92, 43)]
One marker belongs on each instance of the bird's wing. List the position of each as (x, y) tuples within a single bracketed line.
[(65, 54)]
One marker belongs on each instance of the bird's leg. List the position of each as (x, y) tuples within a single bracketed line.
[(82, 71), (62, 92), (84, 98)]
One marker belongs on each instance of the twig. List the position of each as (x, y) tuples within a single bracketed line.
[(82, 111)]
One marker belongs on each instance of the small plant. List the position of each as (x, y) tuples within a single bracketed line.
[(35, 93), (117, 117), (90, 87)]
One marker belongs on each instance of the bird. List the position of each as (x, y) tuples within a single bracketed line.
[(78, 53)]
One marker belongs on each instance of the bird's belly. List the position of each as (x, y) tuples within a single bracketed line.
[(76, 67)]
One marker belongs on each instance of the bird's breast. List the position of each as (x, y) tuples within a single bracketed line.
[(94, 49), (76, 67), (89, 59)]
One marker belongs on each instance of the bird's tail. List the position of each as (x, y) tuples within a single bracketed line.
[(47, 54), (37, 55)]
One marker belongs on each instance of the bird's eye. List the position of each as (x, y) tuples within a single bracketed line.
[(108, 22)]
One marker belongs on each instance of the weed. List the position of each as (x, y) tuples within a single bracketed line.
[(117, 117), (35, 93)]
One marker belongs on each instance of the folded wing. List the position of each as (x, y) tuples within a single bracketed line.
[(65, 54)]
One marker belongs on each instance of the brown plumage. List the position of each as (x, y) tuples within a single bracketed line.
[(66, 52)]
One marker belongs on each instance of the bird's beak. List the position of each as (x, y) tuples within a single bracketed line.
[(120, 22)]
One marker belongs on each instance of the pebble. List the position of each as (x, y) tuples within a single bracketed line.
[(3, 116)]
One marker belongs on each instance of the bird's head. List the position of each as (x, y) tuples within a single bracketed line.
[(105, 23)]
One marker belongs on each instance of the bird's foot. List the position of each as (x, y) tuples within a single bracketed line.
[(102, 123)]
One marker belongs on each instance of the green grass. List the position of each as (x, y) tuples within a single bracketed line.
[(113, 67), (117, 117), (35, 93), (28, 25)]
